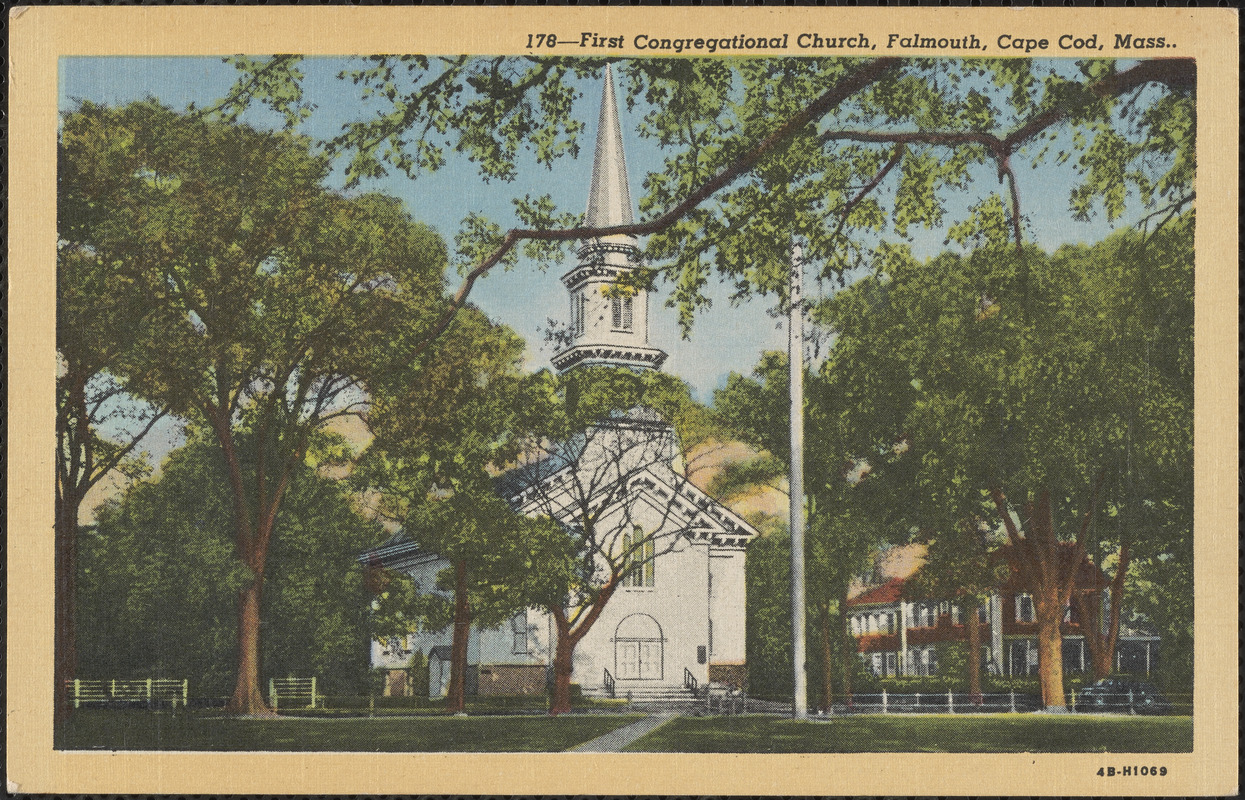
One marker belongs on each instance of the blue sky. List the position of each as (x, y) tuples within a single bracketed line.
[(726, 338)]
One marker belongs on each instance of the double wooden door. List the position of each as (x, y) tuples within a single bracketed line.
[(638, 659)]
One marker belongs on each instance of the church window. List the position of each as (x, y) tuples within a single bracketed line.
[(639, 553), (579, 308), (518, 626), (623, 313)]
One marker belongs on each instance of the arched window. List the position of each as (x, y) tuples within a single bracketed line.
[(639, 559)]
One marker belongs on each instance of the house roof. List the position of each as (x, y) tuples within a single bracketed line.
[(397, 552), (441, 652), (884, 594), (1088, 578)]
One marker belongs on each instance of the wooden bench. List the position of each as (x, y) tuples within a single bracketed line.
[(151, 691), (293, 689)]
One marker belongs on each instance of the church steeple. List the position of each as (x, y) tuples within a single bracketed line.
[(607, 327), (609, 197)]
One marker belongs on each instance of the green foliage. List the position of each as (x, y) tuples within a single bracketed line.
[(1031, 372), (158, 579), (883, 161), (441, 423), (767, 582)]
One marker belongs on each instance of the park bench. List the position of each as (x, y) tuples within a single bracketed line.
[(149, 691), (293, 690)]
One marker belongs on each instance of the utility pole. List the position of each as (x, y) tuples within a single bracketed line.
[(795, 366)]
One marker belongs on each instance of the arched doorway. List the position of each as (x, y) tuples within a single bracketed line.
[(639, 649)]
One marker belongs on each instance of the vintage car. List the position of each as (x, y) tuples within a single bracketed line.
[(1122, 694)]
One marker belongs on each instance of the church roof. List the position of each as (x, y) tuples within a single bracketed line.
[(398, 552), (609, 197)]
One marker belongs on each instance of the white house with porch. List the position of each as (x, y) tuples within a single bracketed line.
[(679, 615)]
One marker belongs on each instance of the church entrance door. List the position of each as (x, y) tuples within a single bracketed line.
[(638, 649)]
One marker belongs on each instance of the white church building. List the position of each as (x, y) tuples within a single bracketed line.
[(679, 616)]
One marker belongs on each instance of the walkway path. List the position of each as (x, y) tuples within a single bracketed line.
[(616, 740)]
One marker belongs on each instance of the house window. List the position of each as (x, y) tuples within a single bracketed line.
[(622, 313), (890, 664), (639, 556), (944, 608), (890, 623), (957, 617), (931, 661), (518, 627), (878, 667), (1024, 608), (983, 614)]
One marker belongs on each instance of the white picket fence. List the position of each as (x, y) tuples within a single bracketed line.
[(148, 690), (293, 689)]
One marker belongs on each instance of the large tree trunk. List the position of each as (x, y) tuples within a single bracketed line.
[(455, 700), (563, 663), (247, 697), (827, 665), (568, 638), (1050, 648), (1101, 643), (974, 650), (66, 574), (1049, 575)]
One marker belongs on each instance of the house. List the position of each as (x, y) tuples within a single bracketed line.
[(896, 636), (508, 660), (678, 616)]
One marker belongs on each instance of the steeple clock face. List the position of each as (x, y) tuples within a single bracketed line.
[(607, 327)]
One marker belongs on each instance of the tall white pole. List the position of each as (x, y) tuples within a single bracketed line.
[(795, 362)]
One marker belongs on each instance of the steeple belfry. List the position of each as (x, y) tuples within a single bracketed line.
[(608, 327)]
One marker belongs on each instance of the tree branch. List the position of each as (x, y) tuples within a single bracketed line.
[(896, 157), (846, 87)]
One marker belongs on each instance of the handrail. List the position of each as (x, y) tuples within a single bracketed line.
[(689, 681), (609, 683)]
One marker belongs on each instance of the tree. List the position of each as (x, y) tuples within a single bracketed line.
[(961, 563), (99, 427), (1026, 370), (605, 461), (158, 578), (276, 300), (854, 499), (849, 152), (440, 424)]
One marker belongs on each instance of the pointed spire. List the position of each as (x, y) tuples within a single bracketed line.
[(609, 198)]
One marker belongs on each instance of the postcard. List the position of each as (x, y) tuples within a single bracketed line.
[(406, 401)]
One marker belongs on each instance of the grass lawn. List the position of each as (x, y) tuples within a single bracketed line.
[(994, 733), (99, 729)]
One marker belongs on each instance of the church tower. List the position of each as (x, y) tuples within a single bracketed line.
[(611, 331)]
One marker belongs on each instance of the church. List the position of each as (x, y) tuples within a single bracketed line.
[(677, 620)]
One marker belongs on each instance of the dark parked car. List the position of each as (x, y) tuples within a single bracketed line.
[(1122, 694)]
